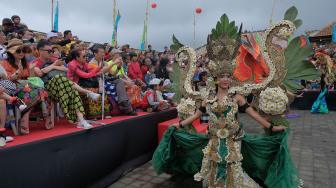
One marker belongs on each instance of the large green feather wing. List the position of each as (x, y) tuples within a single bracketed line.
[(176, 45), (176, 82), (297, 65), (291, 15)]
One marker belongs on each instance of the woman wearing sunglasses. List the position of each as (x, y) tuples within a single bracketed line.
[(18, 72)]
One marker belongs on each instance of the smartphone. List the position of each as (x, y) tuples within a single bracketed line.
[(63, 58)]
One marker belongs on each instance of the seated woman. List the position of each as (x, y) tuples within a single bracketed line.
[(17, 70), (150, 75), (3, 111), (60, 88), (28, 53), (7, 89), (57, 52), (4, 97), (79, 70), (134, 70), (162, 72), (146, 64)]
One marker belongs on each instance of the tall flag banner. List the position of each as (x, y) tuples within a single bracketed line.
[(52, 15), (55, 28), (115, 30), (143, 38), (334, 34)]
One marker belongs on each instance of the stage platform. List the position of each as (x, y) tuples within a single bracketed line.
[(70, 157)]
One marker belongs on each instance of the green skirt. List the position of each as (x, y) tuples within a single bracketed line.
[(266, 158), (60, 89)]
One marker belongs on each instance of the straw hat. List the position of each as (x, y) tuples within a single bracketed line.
[(14, 45), (60, 48), (116, 51), (51, 35)]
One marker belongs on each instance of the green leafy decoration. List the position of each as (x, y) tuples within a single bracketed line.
[(224, 26), (297, 65), (176, 44), (291, 15), (298, 23)]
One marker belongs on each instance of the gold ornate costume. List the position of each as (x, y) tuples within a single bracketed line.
[(226, 157), (220, 168)]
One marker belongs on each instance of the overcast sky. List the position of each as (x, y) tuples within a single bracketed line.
[(91, 20)]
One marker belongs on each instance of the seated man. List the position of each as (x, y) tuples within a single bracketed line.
[(116, 82)]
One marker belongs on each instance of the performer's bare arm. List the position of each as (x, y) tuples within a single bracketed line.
[(256, 116)]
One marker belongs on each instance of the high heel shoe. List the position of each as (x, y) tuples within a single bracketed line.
[(18, 102)]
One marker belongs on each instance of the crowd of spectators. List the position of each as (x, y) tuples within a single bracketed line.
[(201, 74), (58, 74)]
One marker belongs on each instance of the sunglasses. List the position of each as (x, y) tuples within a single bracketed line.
[(49, 51), (19, 51)]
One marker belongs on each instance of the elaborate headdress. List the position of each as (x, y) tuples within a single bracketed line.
[(222, 47)]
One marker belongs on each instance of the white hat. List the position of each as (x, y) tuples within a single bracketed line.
[(155, 81), (167, 82), (116, 51), (51, 34)]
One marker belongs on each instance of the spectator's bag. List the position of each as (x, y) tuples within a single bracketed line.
[(36, 82), (89, 82), (51, 74), (9, 86)]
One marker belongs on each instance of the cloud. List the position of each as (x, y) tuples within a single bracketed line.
[(92, 20)]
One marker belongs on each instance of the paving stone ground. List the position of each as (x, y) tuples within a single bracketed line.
[(312, 143)]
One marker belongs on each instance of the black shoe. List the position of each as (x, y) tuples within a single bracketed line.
[(131, 113), (124, 104)]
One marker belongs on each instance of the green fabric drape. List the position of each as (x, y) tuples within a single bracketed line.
[(266, 158)]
